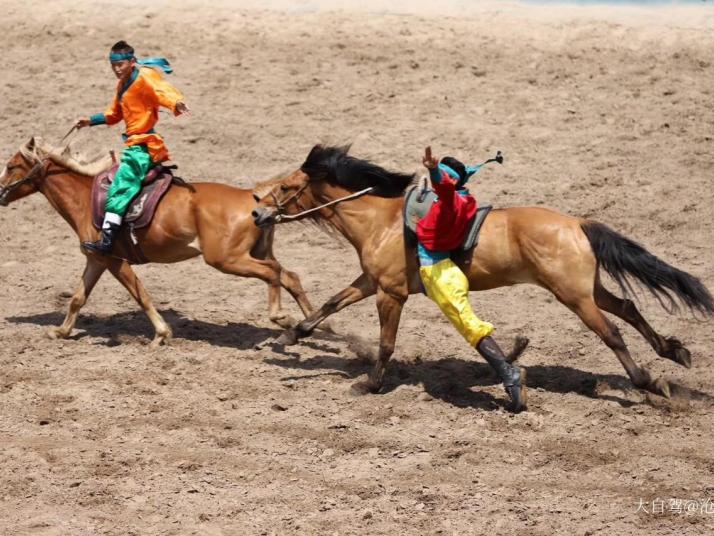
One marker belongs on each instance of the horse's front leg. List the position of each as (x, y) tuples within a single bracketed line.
[(123, 271), (361, 288), (390, 311), (93, 270)]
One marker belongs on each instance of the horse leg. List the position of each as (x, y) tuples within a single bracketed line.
[(593, 318), (263, 251), (124, 273), (275, 308), (390, 310), (245, 265), (361, 288), (290, 281), (669, 347), (93, 270)]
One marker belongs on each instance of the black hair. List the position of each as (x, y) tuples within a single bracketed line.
[(335, 166), (122, 47), (456, 165)]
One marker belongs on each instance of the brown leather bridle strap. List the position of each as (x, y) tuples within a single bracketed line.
[(39, 170), (280, 205)]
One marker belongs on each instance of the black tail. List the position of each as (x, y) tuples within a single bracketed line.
[(624, 259)]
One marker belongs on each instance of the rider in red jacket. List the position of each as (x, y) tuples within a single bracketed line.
[(442, 230)]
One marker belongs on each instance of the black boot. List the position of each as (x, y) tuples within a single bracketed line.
[(513, 377), (106, 240)]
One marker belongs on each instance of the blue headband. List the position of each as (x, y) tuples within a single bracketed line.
[(470, 170), (161, 63)]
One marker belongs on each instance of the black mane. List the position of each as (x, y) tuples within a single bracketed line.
[(335, 166)]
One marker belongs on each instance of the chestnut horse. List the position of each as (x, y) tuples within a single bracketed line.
[(560, 253), (209, 219)]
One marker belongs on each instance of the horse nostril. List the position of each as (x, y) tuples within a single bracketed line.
[(255, 214)]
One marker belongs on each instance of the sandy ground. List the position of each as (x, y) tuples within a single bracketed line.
[(600, 113)]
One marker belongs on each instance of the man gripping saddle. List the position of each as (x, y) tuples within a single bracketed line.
[(441, 231), (141, 90)]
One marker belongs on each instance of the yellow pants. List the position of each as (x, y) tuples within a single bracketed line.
[(447, 285)]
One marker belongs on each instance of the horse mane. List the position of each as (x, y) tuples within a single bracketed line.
[(335, 166), (62, 156)]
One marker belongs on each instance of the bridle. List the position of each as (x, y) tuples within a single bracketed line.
[(39, 170), (280, 205)]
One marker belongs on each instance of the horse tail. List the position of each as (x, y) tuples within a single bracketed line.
[(624, 259)]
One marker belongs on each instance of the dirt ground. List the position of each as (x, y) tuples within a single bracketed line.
[(598, 115)]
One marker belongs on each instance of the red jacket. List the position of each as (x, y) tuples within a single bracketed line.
[(445, 225)]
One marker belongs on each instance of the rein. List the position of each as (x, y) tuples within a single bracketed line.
[(39, 170), (285, 217)]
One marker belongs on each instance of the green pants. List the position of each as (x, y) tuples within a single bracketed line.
[(135, 163)]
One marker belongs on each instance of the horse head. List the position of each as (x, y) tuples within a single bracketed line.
[(279, 199), (23, 172), (328, 176)]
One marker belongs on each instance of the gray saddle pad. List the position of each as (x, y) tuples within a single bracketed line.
[(417, 203)]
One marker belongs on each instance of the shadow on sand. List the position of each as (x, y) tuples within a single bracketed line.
[(240, 336), (451, 380)]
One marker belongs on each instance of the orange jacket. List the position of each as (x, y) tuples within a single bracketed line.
[(138, 105)]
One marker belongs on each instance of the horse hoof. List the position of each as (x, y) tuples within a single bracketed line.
[(158, 341), (660, 387), (683, 357), (327, 327), (57, 333), (287, 337), (362, 388), (285, 321), (678, 353)]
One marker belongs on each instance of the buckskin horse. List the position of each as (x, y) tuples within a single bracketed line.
[(209, 219), (560, 253)]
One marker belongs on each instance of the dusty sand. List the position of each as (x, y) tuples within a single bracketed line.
[(600, 113)]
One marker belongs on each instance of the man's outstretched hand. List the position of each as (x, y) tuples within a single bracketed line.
[(83, 122), (429, 161)]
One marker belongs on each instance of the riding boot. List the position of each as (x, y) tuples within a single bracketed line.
[(513, 377), (110, 230)]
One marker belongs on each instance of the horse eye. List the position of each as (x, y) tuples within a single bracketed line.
[(283, 188)]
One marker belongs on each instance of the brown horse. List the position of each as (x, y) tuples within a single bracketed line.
[(209, 219), (517, 245)]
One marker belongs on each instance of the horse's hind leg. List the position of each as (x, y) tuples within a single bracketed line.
[(123, 271), (593, 318), (669, 347), (243, 264), (93, 270)]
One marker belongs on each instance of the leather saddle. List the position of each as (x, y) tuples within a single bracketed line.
[(418, 201), (142, 208)]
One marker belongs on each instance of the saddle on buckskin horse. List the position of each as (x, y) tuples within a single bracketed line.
[(417, 202)]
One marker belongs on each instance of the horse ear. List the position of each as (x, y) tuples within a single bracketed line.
[(31, 143)]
